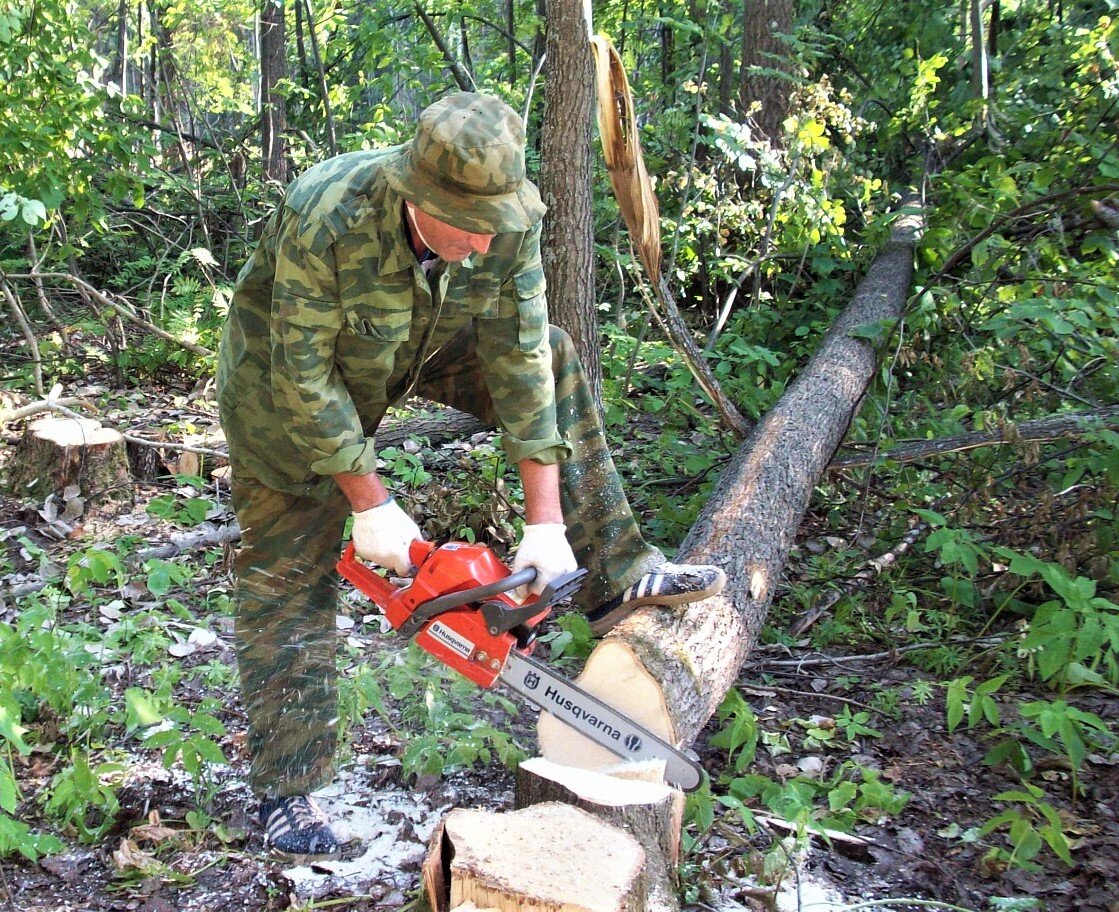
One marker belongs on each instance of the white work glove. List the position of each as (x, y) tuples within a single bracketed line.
[(382, 536), (544, 547)]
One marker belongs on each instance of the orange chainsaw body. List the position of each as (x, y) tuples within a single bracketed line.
[(458, 637)]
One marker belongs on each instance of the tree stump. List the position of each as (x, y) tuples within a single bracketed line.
[(545, 858), (61, 455), (631, 796)]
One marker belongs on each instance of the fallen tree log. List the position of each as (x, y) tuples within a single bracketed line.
[(440, 427), (690, 657)]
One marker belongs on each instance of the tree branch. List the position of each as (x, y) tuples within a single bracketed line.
[(103, 298)]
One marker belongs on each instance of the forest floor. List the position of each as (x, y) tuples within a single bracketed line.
[(157, 857)]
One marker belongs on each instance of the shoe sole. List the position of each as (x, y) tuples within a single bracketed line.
[(608, 621)]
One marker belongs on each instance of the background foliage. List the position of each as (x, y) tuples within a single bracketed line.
[(129, 157)]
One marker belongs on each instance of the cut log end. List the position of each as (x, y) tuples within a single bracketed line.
[(546, 858), (650, 811)]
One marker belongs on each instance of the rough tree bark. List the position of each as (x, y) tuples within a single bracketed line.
[(762, 22), (567, 245)]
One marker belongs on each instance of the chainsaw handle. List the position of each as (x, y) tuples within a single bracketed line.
[(436, 606)]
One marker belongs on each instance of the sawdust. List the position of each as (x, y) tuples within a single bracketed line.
[(390, 827)]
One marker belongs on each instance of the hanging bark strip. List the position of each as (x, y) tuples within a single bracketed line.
[(625, 163)]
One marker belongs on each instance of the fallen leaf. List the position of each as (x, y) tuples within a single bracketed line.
[(181, 650), (154, 830), (131, 856), (202, 638)]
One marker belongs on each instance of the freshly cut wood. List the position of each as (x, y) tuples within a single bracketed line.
[(747, 526), (57, 454), (545, 858), (614, 671), (651, 812)]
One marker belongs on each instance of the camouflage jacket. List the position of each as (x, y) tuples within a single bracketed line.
[(332, 313)]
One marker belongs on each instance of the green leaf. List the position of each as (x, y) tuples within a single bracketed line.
[(33, 212), (878, 331), (9, 724), (140, 708)]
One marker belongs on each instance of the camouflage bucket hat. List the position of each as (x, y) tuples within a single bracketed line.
[(466, 166)]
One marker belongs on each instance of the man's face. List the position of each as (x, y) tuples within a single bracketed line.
[(447, 242)]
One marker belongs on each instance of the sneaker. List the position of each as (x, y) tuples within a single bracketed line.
[(668, 584), (296, 826)]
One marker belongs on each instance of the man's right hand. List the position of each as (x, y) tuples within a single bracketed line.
[(382, 535)]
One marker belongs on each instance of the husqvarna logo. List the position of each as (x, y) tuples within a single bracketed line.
[(532, 680), (633, 743)]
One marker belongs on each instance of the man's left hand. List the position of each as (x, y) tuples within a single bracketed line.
[(544, 547)]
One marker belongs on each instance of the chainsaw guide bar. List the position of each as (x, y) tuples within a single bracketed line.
[(458, 609)]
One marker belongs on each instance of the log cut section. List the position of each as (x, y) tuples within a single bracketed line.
[(545, 858), (57, 455)]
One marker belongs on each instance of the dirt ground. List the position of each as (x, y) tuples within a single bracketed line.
[(926, 852)]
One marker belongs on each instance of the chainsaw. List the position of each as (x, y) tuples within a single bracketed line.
[(459, 609)]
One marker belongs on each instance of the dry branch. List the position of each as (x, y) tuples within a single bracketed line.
[(1034, 431), (625, 162), (103, 298)]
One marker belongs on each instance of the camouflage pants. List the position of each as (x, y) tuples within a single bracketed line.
[(286, 586)]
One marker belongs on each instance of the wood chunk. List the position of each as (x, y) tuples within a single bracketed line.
[(545, 858), (651, 812), (60, 453)]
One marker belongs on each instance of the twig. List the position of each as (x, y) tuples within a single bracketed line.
[(119, 308), (872, 657), (532, 87), (963, 252), (184, 541), (462, 77), (883, 903), (770, 689), (1040, 429), (873, 569), (823, 832), (7, 891), (44, 303), (28, 335), (35, 408)]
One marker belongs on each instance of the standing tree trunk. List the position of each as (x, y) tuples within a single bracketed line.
[(273, 109), (511, 28), (567, 244), (980, 72), (119, 71), (762, 22)]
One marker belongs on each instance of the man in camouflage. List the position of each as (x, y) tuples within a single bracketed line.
[(408, 270)]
